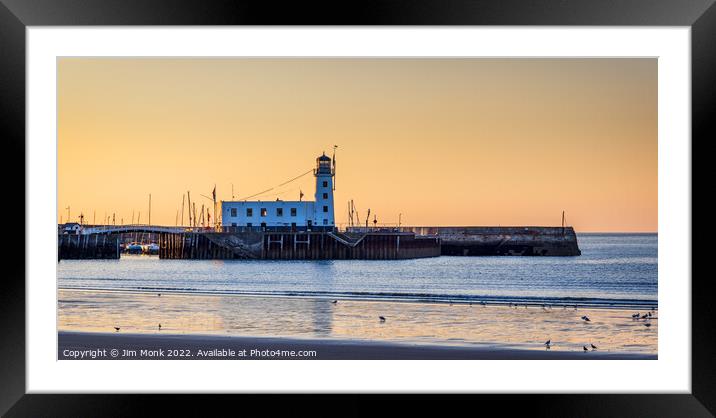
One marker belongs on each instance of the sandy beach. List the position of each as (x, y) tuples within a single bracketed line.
[(99, 346), (350, 329)]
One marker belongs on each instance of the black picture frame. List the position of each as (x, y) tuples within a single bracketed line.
[(16, 15)]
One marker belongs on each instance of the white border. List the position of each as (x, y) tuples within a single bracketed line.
[(670, 373)]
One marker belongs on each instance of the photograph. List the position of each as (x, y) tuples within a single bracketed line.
[(232, 202), (357, 208)]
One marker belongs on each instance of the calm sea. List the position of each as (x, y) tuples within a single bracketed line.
[(614, 270)]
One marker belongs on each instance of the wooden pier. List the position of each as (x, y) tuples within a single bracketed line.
[(84, 247), (301, 245)]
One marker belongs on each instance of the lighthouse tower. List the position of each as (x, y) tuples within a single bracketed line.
[(323, 207)]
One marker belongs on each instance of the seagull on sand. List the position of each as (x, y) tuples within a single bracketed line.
[(546, 344), (585, 318), (160, 327), (594, 347), (647, 324), (644, 316), (116, 329), (334, 302), (585, 348), (382, 318), (636, 315), (159, 294)]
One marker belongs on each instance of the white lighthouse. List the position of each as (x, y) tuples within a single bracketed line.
[(323, 208), (287, 215)]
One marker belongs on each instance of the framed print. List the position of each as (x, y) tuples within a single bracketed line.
[(396, 200)]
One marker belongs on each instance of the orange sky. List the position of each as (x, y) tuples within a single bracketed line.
[(442, 141)]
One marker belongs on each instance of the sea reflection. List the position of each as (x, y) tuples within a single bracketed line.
[(137, 312)]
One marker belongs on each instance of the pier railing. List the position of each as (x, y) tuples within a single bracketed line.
[(119, 229), (364, 230), (144, 228)]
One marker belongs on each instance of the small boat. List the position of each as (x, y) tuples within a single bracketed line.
[(134, 248), (152, 248)]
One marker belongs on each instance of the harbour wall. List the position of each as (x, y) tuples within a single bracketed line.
[(294, 245), (95, 246), (356, 243), (502, 240)]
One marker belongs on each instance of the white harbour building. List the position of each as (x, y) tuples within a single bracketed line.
[(288, 215)]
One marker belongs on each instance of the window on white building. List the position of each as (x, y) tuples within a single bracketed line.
[(325, 208), (233, 212), (264, 212), (325, 184), (249, 212), (279, 211), (293, 211), (325, 195)]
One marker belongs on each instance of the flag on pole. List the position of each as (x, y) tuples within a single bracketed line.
[(213, 193), (300, 196), (334, 166)]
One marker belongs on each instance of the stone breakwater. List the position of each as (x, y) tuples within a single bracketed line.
[(498, 240)]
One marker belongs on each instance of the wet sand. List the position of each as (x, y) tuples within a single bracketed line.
[(520, 328), (87, 345)]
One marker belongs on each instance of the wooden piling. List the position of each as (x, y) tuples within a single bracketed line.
[(79, 247), (300, 246)]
